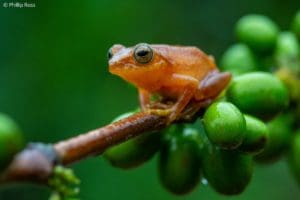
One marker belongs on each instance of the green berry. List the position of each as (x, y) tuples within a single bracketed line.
[(256, 136), (11, 139), (238, 59), (260, 94), (179, 164), (280, 132), (135, 151), (228, 172), (296, 24), (287, 49), (258, 32), (224, 124), (293, 156)]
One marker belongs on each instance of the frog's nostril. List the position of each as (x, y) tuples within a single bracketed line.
[(109, 54), (113, 50)]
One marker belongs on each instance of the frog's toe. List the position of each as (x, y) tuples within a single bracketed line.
[(168, 113), (160, 112)]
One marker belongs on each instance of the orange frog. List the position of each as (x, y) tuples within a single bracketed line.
[(185, 76)]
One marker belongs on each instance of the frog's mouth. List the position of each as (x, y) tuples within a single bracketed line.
[(141, 77), (121, 69), (128, 72)]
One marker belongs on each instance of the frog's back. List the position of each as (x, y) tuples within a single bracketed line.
[(186, 60)]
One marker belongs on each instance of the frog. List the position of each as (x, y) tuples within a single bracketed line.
[(183, 77)]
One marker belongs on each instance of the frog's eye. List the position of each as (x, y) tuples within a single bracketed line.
[(143, 53), (109, 54)]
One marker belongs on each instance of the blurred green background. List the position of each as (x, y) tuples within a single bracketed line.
[(54, 80)]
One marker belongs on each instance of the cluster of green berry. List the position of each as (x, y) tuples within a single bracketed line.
[(263, 47), (255, 119)]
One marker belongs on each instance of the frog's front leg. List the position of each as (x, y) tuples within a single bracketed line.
[(144, 98)]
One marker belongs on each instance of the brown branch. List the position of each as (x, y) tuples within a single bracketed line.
[(96, 141), (35, 163)]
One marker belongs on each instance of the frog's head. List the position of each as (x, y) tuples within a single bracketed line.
[(143, 65)]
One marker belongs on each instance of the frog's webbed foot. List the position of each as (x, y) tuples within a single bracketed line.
[(168, 110), (169, 113), (165, 109), (160, 112), (159, 108)]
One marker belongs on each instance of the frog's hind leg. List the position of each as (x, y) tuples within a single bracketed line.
[(209, 88), (193, 108), (212, 85)]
